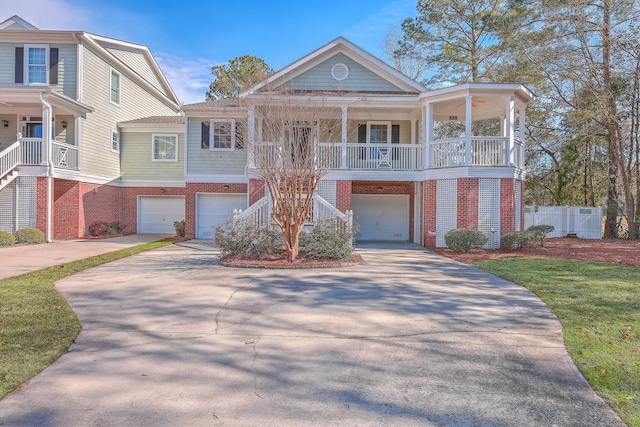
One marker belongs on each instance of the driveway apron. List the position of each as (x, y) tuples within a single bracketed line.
[(170, 338)]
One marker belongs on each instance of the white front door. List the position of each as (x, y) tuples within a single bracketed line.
[(156, 215), (214, 209), (381, 217)]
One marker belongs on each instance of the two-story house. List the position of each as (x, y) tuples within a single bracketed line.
[(410, 163), (62, 95)]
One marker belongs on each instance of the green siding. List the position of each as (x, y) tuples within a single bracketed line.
[(205, 161), (136, 163), (359, 79)]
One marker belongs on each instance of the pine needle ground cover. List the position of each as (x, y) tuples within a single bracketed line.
[(37, 324), (598, 305)]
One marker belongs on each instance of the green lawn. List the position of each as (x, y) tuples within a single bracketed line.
[(36, 322), (598, 305)]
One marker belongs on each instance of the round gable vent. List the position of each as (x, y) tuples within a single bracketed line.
[(339, 71)]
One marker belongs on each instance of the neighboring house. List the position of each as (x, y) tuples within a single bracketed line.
[(411, 163), (62, 95)]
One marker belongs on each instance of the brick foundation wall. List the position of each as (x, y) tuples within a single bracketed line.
[(468, 192), (202, 187), (508, 205), (101, 205), (256, 190), (41, 204), (429, 189), (66, 209), (128, 202), (343, 195)]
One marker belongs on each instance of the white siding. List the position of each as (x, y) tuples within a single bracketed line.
[(136, 163), (96, 157), (359, 79), (205, 161)]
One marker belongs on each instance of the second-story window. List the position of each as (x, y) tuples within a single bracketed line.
[(165, 148), (223, 134), (36, 60), (115, 141), (115, 87)]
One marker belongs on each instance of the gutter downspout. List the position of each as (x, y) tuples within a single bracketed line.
[(46, 139)]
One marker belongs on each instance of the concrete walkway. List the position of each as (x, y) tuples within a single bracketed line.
[(171, 339), (15, 260)]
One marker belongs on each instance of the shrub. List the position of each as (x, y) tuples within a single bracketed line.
[(6, 238), (327, 241), (179, 227), (516, 240), (29, 235), (98, 228), (464, 239), (541, 231), (116, 227), (247, 241)]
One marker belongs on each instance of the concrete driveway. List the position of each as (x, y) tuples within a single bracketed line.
[(411, 338)]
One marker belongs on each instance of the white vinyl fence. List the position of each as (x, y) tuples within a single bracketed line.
[(584, 222)]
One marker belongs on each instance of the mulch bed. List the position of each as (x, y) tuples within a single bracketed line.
[(615, 251), (280, 262)]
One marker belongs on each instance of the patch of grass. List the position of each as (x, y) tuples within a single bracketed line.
[(37, 324), (598, 305)]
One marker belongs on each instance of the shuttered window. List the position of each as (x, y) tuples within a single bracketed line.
[(36, 64)]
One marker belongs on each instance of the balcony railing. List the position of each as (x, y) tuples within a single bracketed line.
[(483, 151), (64, 156), (30, 152)]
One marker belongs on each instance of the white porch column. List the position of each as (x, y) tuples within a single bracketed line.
[(343, 161), (510, 113), (429, 136), (76, 138), (521, 131), (251, 130), (425, 138), (413, 131), (467, 128)]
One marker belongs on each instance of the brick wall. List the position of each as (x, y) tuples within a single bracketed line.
[(101, 205), (129, 203), (429, 189), (202, 187), (256, 190), (41, 204), (66, 209), (468, 192), (343, 195), (507, 205)]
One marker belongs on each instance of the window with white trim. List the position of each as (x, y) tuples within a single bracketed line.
[(223, 135), (115, 87), (115, 141), (165, 148), (36, 64)]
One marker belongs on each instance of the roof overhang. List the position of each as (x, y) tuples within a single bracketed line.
[(19, 97)]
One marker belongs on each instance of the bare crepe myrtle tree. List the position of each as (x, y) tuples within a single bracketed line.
[(301, 136)]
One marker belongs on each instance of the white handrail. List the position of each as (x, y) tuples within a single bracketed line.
[(10, 158), (256, 215)]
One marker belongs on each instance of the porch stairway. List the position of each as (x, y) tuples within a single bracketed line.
[(10, 159), (259, 214)]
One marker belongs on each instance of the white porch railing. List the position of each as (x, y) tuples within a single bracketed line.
[(31, 151), (259, 214), (9, 159), (484, 151), (401, 157), (64, 156)]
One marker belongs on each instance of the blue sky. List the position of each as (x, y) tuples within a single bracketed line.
[(188, 37)]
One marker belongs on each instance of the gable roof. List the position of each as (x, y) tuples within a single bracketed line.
[(344, 46), (16, 23)]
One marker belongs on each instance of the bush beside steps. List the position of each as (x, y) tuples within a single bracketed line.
[(24, 235)]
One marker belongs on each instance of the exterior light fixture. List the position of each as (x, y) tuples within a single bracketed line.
[(5, 123), (226, 186), (378, 189), (64, 124)]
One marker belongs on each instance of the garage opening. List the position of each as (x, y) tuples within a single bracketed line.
[(156, 214), (214, 209), (381, 216)]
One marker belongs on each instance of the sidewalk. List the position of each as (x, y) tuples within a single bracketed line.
[(17, 260)]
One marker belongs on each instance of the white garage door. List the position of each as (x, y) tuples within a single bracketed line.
[(381, 217), (214, 209), (157, 214)]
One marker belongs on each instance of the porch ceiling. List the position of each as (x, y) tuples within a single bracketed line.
[(10, 100), (483, 107)]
